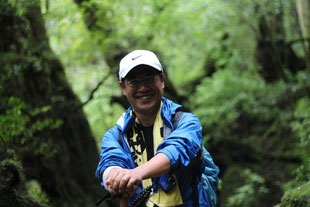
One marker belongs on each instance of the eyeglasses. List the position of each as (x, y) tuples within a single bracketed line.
[(135, 83)]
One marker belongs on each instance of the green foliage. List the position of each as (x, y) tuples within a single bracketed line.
[(20, 128), (239, 106), (256, 119), (245, 188), (234, 105), (247, 194), (301, 126), (231, 95), (82, 57), (13, 122)]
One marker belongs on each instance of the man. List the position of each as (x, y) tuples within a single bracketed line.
[(145, 158)]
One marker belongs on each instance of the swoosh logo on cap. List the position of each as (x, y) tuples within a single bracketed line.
[(136, 57)]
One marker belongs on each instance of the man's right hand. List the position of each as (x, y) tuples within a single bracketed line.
[(123, 182)]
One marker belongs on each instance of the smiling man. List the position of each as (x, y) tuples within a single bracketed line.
[(143, 88), (148, 157)]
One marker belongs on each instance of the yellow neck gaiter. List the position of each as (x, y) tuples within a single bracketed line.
[(138, 150)]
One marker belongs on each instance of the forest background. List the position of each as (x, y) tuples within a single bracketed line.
[(243, 67)]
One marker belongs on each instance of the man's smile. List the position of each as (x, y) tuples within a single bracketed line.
[(144, 97)]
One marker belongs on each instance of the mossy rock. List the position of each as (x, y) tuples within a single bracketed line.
[(12, 191), (297, 197)]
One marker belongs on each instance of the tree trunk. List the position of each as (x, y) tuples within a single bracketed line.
[(272, 52), (31, 71), (303, 10)]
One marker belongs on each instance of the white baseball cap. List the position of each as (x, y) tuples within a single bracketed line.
[(135, 58)]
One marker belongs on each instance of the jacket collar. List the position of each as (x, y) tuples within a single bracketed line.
[(168, 111)]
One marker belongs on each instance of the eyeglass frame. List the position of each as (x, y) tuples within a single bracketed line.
[(143, 81)]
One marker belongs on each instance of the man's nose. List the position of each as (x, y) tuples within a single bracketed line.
[(142, 85)]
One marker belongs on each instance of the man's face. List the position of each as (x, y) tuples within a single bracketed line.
[(144, 88)]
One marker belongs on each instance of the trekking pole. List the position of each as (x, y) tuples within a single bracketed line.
[(137, 202), (108, 196), (124, 202)]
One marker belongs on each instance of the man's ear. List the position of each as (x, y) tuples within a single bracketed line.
[(162, 78), (122, 85)]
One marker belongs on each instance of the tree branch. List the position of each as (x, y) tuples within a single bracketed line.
[(301, 39), (91, 96)]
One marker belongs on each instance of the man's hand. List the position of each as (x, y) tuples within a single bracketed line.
[(126, 181), (123, 181)]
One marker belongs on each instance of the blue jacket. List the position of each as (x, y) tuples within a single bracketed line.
[(181, 146)]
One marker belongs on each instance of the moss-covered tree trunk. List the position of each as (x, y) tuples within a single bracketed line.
[(31, 72)]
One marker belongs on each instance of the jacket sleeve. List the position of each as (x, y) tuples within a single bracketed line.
[(112, 154), (183, 144)]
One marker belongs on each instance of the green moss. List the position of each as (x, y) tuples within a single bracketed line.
[(297, 197)]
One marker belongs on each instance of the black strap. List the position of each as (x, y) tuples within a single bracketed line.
[(196, 176), (195, 167), (195, 189)]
